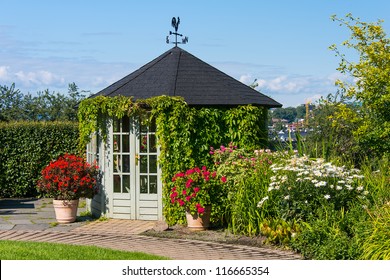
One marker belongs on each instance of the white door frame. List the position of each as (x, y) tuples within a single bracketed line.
[(126, 201)]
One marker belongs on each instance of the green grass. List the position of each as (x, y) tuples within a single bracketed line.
[(27, 250)]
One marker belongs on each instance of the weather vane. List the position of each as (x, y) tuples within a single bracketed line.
[(175, 24)]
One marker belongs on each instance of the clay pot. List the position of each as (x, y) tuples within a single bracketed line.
[(66, 210)]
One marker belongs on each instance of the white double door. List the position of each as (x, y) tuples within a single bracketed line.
[(134, 179)]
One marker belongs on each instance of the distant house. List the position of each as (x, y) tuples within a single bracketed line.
[(131, 184)]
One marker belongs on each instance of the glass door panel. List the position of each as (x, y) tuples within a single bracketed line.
[(148, 159), (121, 156)]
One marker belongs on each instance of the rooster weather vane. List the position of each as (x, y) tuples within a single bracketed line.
[(175, 24)]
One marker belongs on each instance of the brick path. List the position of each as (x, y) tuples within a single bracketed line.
[(173, 248), (29, 223)]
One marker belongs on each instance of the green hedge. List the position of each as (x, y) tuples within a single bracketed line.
[(26, 147)]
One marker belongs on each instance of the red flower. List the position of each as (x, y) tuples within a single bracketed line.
[(69, 177), (223, 179)]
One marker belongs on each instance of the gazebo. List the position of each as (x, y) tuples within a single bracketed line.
[(131, 185)]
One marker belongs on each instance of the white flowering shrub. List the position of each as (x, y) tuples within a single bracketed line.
[(299, 186)]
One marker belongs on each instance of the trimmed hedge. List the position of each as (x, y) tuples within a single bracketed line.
[(26, 147)]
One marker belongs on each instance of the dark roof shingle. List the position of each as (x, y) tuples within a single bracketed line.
[(179, 73)]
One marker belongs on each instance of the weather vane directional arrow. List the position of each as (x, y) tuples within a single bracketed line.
[(175, 24)]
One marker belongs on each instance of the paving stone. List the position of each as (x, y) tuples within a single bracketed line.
[(20, 221), (6, 226)]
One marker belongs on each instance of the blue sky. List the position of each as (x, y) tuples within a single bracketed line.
[(283, 44)]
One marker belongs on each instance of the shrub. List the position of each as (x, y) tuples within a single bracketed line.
[(195, 189), (26, 147), (247, 176), (328, 236)]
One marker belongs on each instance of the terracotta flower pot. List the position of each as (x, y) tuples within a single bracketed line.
[(66, 210), (198, 223)]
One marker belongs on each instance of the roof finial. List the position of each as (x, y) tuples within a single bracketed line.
[(175, 24)]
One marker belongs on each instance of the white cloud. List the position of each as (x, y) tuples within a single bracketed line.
[(292, 89), (283, 83), (38, 74), (4, 76), (39, 78)]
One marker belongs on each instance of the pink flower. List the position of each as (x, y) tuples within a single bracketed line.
[(201, 210), (184, 192), (223, 179), (188, 198), (189, 182), (196, 189), (214, 174), (190, 171), (181, 202)]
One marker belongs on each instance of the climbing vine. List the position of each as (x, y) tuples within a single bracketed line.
[(185, 133)]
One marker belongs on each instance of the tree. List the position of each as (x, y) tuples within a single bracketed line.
[(289, 114), (370, 86), (44, 106), (301, 112), (330, 137), (11, 103)]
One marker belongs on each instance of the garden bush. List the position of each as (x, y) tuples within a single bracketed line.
[(247, 176), (26, 147), (321, 241)]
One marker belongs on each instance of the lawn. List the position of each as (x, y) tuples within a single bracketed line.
[(27, 250)]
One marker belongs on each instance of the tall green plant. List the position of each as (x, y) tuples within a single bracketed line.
[(247, 176), (26, 147), (376, 245)]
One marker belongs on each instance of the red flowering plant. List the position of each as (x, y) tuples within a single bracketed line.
[(69, 177), (195, 189)]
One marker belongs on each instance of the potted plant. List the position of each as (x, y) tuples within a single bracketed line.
[(66, 180), (195, 190)]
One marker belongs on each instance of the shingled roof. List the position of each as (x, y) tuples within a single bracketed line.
[(179, 73)]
